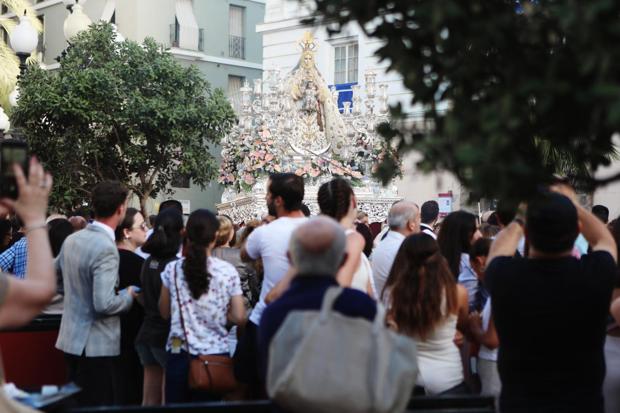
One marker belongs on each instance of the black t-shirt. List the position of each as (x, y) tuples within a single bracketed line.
[(129, 268), (154, 331), (550, 316)]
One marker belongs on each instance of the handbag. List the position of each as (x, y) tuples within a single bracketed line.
[(211, 373), (324, 361)]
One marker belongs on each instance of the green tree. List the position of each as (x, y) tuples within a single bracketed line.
[(124, 111), (514, 91)]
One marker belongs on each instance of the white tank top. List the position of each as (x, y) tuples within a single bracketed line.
[(439, 360), (363, 275)]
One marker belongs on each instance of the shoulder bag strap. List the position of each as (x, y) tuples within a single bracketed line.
[(176, 285)]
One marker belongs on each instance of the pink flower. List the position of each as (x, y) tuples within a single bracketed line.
[(268, 157), (277, 168)]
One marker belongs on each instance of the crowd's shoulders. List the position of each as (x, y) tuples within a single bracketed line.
[(351, 302), (498, 262), (167, 273), (253, 243), (227, 274), (601, 264), (599, 257), (356, 240), (224, 267)]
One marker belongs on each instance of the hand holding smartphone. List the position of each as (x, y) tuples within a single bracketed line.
[(12, 151)]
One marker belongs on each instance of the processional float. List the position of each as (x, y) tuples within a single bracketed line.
[(292, 123)]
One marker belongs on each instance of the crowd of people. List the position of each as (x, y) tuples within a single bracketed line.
[(518, 304)]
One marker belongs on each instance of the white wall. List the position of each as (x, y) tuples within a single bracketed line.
[(137, 19), (610, 194)]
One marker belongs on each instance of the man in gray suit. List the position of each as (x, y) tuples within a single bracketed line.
[(90, 328)]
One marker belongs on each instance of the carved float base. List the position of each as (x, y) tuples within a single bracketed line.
[(373, 200)]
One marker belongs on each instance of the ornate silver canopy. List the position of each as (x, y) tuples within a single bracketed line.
[(292, 123)]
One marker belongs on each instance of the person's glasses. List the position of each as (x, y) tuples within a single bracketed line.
[(142, 226)]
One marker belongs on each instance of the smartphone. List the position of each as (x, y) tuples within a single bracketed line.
[(12, 151)]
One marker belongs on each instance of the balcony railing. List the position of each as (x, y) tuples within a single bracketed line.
[(236, 47)]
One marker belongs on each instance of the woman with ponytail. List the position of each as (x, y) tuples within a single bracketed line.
[(200, 295), (162, 245), (337, 200), (426, 303)]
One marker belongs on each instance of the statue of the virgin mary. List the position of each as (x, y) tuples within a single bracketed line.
[(317, 124)]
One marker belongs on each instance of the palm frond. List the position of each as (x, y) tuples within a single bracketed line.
[(8, 24), (19, 6), (9, 70), (9, 63), (567, 164)]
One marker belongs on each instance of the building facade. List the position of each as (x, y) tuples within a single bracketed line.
[(217, 36)]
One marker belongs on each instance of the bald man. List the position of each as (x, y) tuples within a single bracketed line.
[(403, 220), (316, 250)]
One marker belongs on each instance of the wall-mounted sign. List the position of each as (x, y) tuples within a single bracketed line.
[(186, 206), (445, 203)]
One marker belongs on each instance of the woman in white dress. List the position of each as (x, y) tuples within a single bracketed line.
[(427, 304), (337, 200)]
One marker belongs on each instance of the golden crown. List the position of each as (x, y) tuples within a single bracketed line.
[(307, 43)]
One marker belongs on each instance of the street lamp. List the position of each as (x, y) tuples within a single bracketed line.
[(76, 22), (70, 3), (4, 123), (24, 40), (14, 96)]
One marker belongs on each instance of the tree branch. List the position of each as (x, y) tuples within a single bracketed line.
[(604, 181)]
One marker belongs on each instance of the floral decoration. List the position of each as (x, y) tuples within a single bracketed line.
[(248, 157)]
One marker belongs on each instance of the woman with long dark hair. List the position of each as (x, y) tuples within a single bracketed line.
[(426, 303), (459, 230), (163, 246), (58, 230), (337, 200), (200, 294)]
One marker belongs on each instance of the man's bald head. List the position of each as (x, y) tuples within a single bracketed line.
[(318, 247), (404, 217)]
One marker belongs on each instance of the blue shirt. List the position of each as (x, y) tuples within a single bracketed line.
[(306, 293), (477, 294), (15, 258)]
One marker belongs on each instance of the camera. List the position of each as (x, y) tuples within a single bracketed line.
[(12, 151)]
